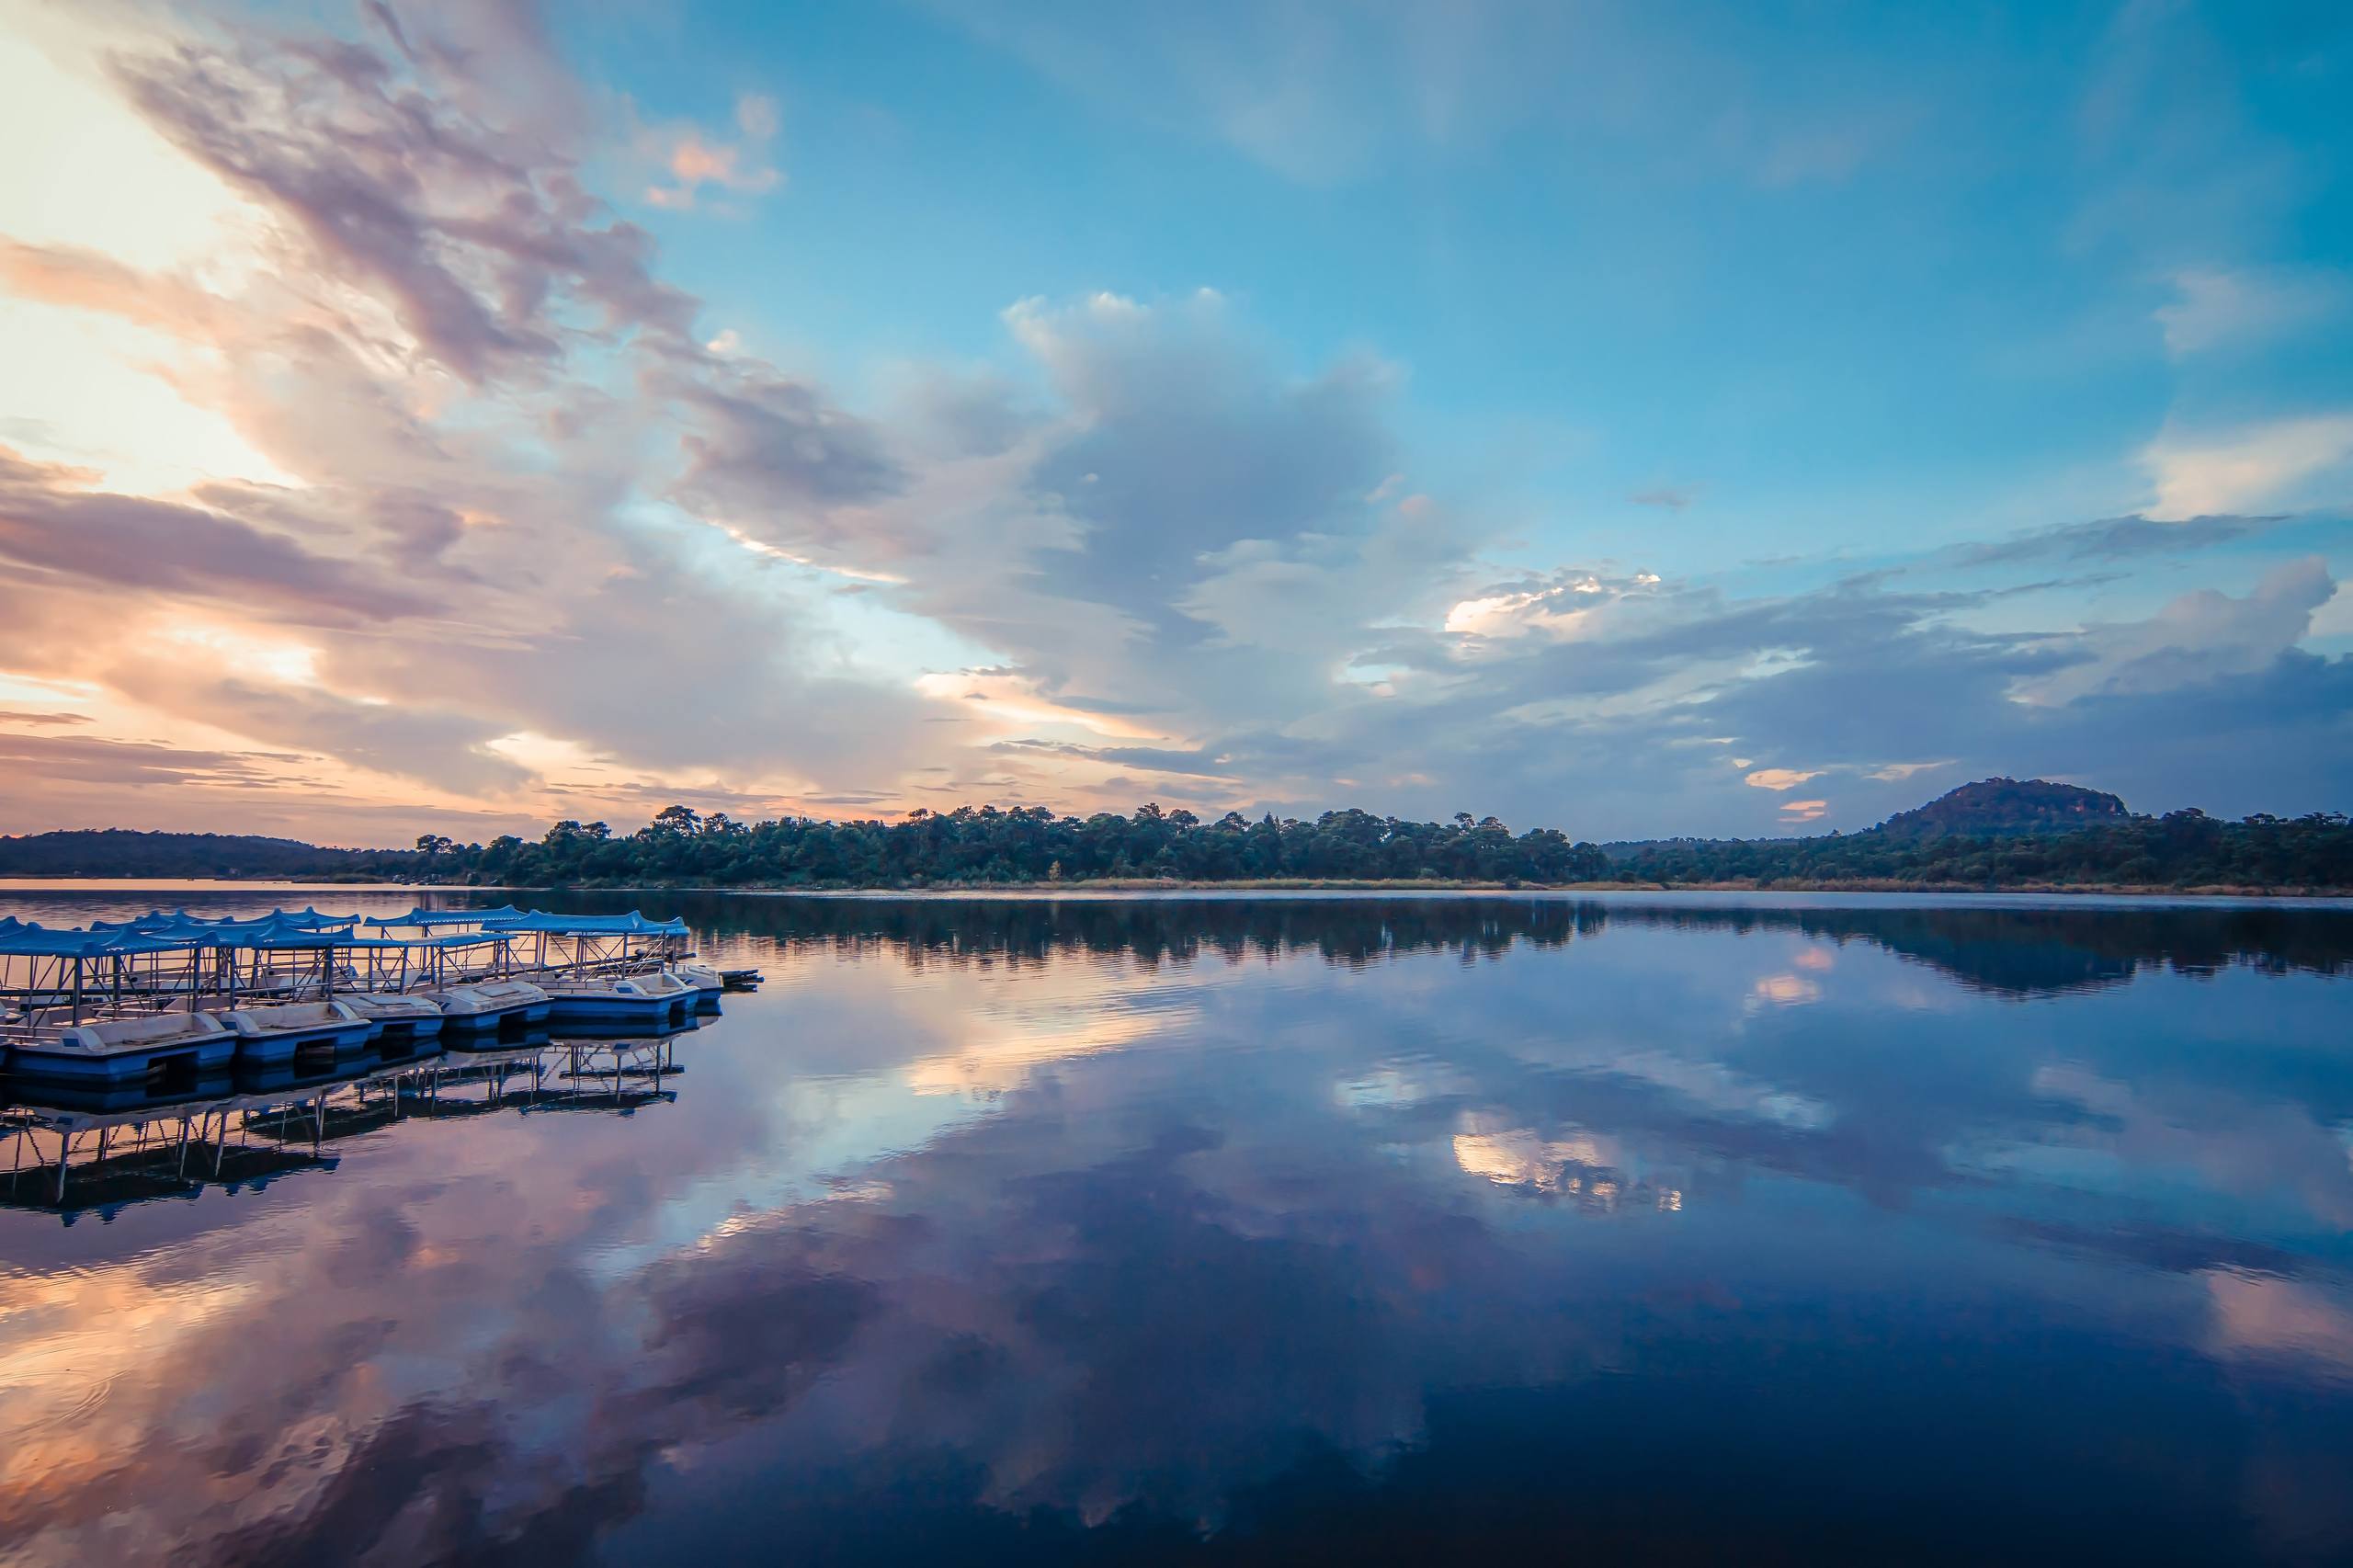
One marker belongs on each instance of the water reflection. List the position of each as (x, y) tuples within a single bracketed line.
[(1371, 1229), (75, 1149), (2017, 949)]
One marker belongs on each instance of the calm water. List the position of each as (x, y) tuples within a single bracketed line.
[(1250, 1230)]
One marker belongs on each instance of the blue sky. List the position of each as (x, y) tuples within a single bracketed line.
[(1646, 419)]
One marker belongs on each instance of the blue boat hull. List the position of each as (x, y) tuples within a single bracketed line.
[(271, 1050), (92, 1096), (650, 1011), (490, 1023), (123, 1067)]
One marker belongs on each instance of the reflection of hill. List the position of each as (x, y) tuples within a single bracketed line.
[(2041, 952), (2020, 952)]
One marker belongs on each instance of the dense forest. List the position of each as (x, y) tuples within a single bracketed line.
[(2180, 850), (970, 844), (983, 845)]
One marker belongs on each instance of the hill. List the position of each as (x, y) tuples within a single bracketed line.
[(1999, 807), (121, 852)]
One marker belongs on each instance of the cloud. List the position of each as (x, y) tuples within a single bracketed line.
[(1330, 98), (470, 229), (481, 395), (53, 523), (84, 761), (2192, 639), (2112, 539), (1673, 497), (434, 746), (1896, 772), (2202, 476), (691, 159), (1781, 779), (1156, 760), (85, 279), (773, 456), (2218, 310)]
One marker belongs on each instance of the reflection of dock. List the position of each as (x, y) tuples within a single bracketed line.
[(104, 1148), (76, 1160)]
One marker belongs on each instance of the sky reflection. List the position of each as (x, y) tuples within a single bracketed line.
[(1062, 1231)]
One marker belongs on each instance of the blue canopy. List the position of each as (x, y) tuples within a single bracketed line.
[(633, 924), (430, 917), (179, 921), (31, 940), (314, 941)]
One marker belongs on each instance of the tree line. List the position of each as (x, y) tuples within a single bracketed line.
[(984, 846), (2180, 850)]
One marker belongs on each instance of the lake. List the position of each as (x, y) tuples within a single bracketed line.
[(1245, 1230)]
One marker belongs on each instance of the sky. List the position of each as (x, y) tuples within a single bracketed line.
[(1638, 419)]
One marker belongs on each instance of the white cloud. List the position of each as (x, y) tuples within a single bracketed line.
[(2195, 638), (2227, 310), (2248, 469), (2335, 618), (1782, 779)]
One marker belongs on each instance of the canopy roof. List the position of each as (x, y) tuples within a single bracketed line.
[(633, 924), (24, 940), (177, 922), (281, 941), (429, 918), (160, 931)]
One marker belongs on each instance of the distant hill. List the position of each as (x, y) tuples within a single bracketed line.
[(1997, 807), (119, 852)]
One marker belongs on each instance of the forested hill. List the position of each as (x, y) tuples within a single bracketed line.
[(1031, 844), (119, 852), (2180, 850), (1998, 806)]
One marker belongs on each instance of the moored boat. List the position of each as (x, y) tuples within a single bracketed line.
[(480, 1004), (397, 1015), (278, 1034), (122, 1051), (707, 982), (653, 997)]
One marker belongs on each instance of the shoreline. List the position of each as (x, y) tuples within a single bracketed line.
[(1151, 885)]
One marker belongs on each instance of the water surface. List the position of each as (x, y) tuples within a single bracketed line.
[(1236, 1229)]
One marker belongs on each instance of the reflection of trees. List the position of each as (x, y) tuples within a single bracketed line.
[(2039, 951), (1351, 931)]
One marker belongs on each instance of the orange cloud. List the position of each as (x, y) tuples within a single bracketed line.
[(1781, 779)]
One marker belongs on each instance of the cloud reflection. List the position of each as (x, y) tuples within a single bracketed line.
[(1108, 1232)]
